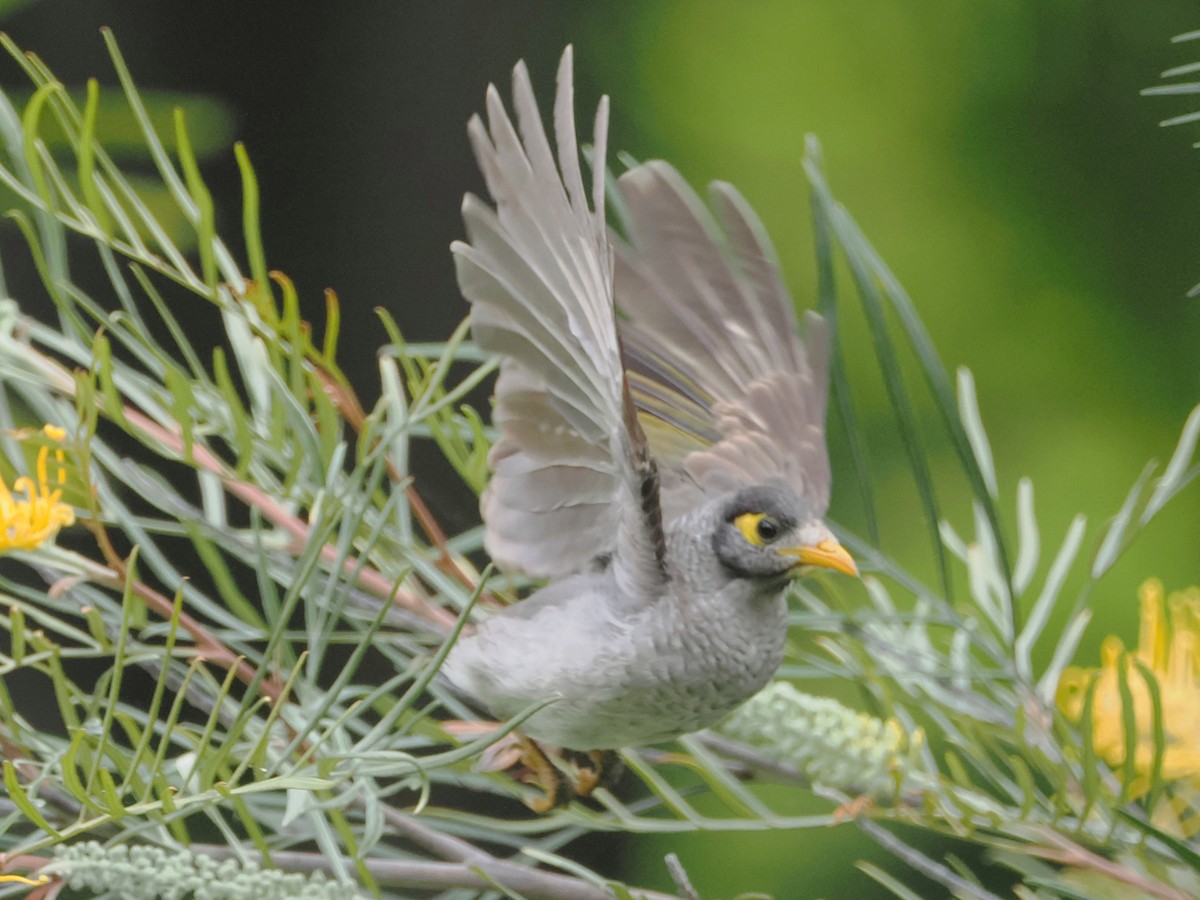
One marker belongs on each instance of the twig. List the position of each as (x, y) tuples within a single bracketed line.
[(48, 792), (207, 646), (366, 577), (922, 863), (486, 872), (445, 846), (751, 758), (1068, 853), (679, 875), (342, 396)]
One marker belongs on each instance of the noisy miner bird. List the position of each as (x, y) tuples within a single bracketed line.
[(661, 454)]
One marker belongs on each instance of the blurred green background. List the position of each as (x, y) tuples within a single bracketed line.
[(998, 154)]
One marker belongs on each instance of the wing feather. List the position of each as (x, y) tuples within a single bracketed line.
[(774, 313), (707, 370), (572, 473), (729, 394)]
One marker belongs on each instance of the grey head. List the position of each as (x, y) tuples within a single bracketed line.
[(770, 532)]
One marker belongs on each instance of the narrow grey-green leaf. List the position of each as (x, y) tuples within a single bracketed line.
[(1114, 539), (1064, 652), (1039, 615), (1029, 544), (1177, 473), (968, 410)]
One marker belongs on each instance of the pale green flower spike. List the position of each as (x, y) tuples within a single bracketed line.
[(150, 873), (833, 745)]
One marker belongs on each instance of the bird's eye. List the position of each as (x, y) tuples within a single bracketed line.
[(768, 529), (758, 528)]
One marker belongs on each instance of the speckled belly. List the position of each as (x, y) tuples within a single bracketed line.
[(667, 686)]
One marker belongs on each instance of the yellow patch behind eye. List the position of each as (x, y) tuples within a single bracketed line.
[(747, 524)]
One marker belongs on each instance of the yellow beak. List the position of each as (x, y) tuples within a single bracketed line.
[(828, 554)]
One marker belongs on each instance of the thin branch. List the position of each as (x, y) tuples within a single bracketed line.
[(487, 872), (1067, 853), (444, 846), (47, 791), (680, 876), (366, 577), (752, 759), (369, 579), (207, 646), (922, 863), (342, 396)]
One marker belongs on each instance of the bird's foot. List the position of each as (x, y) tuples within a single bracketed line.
[(589, 771), (542, 773), (592, 770), (596, 769)]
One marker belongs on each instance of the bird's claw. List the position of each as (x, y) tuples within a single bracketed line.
[(545, 775), (594, 769)]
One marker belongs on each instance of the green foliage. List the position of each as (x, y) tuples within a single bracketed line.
[(255, 555), (1177, 88)]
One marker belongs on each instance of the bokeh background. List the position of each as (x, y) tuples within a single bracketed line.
[(998, 154)]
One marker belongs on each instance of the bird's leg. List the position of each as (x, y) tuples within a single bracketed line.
[(542, 773), (603, 768)]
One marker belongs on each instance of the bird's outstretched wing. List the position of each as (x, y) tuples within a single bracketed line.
[(573, 477), (728, 395)]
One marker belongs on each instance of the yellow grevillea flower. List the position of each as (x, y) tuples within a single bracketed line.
[(28, 522), (1167, 647)]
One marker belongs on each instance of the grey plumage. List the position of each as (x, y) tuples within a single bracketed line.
[(681, 443)]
